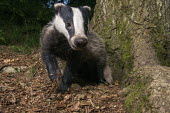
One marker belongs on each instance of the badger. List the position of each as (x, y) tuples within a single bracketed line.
[(68, 37)]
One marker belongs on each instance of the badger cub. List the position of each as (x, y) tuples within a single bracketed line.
[(67, 37)]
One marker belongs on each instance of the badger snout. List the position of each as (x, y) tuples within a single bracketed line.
[(80, 42)]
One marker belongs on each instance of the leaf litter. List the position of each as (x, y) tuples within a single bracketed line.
[(30, 90)]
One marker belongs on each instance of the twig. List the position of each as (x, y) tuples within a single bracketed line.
[(91, 103), (2, 67)]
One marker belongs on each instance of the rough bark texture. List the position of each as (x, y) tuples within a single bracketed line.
[(137, 35), (143, 52)]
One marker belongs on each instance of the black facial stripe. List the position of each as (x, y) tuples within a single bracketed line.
[(67, 14)]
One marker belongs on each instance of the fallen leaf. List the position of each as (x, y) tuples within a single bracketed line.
[(76, 106), (67, 97), (85, 103)]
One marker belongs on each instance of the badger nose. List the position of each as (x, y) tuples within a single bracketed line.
[(81, 42)]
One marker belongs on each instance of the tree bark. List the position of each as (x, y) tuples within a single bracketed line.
[(137, 36), (132, 28)]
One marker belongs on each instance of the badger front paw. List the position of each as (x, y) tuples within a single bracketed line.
[(62, 89), (55, 76)]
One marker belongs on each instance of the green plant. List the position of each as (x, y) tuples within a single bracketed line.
[(21, 49)]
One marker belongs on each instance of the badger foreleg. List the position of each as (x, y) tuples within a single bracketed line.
[(100, 72), (66, 80), (51, 63)]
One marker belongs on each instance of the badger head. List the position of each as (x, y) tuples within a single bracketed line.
[(73, 23)]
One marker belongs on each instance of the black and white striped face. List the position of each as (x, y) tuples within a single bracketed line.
[(73, 23)]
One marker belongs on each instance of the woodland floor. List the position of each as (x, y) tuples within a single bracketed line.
[(29, 90)]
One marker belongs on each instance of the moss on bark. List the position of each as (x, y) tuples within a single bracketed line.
[(161, 43), (135, 92)]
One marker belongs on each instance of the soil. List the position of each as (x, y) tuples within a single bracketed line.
[(29, 90)]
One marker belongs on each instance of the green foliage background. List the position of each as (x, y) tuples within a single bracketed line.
[(22, 21)]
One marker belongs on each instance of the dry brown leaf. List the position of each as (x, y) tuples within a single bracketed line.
[(67, 97), (85, 103), (76, 106)]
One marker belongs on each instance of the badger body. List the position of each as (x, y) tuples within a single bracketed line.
[(67, 37)]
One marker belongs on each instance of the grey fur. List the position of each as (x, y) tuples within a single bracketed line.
[(95, 48)]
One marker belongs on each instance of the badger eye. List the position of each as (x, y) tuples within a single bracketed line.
[(68, 24)]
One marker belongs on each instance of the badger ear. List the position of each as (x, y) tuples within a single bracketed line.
[(57, 7), (87, 8)]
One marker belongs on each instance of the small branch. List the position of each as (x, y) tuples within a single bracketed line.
[(91, 103), (2, 67)]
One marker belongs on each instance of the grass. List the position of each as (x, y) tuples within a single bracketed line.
[(21, 49), (21, 39)]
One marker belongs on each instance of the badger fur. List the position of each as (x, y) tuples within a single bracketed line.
[(67, 37)]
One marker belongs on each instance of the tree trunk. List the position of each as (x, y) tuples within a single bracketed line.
[(137, 35)]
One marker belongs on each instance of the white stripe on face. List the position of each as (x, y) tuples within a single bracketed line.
[(60, 26), (78, 22)]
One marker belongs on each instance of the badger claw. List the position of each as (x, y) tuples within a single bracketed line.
[(53, 77)]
